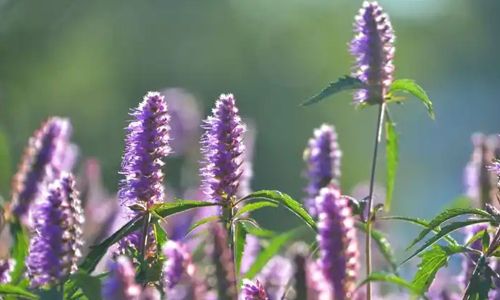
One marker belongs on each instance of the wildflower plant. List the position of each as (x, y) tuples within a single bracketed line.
[(222, 252)]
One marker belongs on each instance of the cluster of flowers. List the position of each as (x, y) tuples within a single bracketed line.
[(46, 201)]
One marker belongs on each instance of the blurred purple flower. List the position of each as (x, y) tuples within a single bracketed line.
[(120, 283), (44, 158), (178, 263), (373, 48), (322, 157), (337, 242), (495, 168), (252, 250), (55, 247), (253, 291), (6, 268), (275, 276), (150, 293), (185, 120), (222, 147)]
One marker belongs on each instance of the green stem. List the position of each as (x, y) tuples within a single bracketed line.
[(144, 237), (368, 240)]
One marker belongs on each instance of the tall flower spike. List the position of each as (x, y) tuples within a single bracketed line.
[(43, 159), (373, 48), (322, 157), (56, 244), (120, 283), (222, 148), (178, 263), (6, 268), (253, 291), (337, 242), (146, 145)]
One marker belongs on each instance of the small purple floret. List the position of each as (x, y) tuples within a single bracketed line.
[(253, 291)]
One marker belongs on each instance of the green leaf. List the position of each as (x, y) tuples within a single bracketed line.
[(98, 251), (392, 157), (90, 286), (19, 250), (160, 235), (253, 228), (389, 278), (249, 207), (431, 261), (410, 86), (421, 223), (170, 208), (285, 200), (5, 163), (12, 290), (272, 249), (444, 231), (202, 222), (239, 245), (481, 281), (383, 245), (447, 215), (342, 84)]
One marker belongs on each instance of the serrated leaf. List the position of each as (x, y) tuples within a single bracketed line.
[(19, 250), (12, 290), (410, 86), (239, 245), (171, 208), (421, 223), (89, 285), (431, 261), (97, 252), (392, 158), (249, 207), (342, 84), (286, 201), (447, 215), (253, 228), (202, 222), (383, 245), (268, 252), (485, 240), (389, 278), (160, 235), (444, 231)]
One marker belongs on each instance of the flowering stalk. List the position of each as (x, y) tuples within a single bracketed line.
[(178, 263), (322, 157), (43, 160), (374, 51), (337, 243), (55, 247), (146, 145)]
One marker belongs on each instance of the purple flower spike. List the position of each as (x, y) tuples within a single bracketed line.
[(222, 147), (55, 246), (337, 242), (43, 159), (322, 157), (275, 276), (120, 284), (373, 48), (178, 263), (6, 268), (146, 146), (253, 291)]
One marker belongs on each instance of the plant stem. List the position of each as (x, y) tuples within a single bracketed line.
[(368, 241), (144, 236)]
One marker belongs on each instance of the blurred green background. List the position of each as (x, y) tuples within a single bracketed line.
[(94, 60)]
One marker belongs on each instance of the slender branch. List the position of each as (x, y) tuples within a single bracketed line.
[(144, 237), (369, 219)]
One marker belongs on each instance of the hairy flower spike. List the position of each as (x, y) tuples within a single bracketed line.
[(120, 283), (222, 147), (6, 268), (56, 244), (322, 157), (43, 159), (178, 263), (337, 242), (373, 48), (146, 146), (253, 291)]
